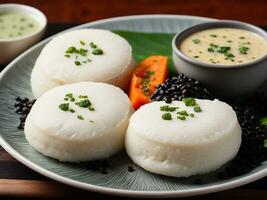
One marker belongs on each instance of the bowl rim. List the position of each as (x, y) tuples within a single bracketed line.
[(217, 24), (25, 9)]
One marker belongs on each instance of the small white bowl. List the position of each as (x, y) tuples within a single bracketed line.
[(222, 80), (12, 47)]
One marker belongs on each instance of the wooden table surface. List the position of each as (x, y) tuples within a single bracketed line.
[(16, 180)]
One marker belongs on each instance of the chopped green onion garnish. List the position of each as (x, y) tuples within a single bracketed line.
[(64, 106), (82, 42), (168, 108), (77, 62), (72, 111), (93, 45), (181, 117), (90, 108), (196, 41), (189, 101), (243, 50), (70, 49), (184, 113), (197, 109), (80, 117), (97, 52), (166, 116), (84, 103)]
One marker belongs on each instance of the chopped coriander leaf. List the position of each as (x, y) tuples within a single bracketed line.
[(82, 52), (197, 109), (67, 55), (90, 108), (71, 49), (196, 56), (192, 115), (181, 117), (223, 49), (70, 96), (210, 49), (229, 55), (64, 106), (77, 62), (189, 101), (164, 108), (91, 121), (83, 96), (148, 74), (242, 37), (72, 111), (213, 35), (93, 45), (196, 41), (97, 52), (166, 116), (80, 117), (85, 103), (214, 45), (243, 50), (229, 41), (82, 42), (183, 112), (66, 99)]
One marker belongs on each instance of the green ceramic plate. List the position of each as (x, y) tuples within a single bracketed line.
[(15, 81)]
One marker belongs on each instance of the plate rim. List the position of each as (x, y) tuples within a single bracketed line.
[(113, 191)]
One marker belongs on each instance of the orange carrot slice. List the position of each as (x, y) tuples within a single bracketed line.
[(148, 75)]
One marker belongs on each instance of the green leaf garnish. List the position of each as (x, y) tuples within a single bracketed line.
[(243, 50), (183, 112), (166, 116), (181, 117), (82, 42), (197, 109), (77, 62), (196, 41), (71, 49), (80, 117), (85, 103), (93, 45), (189, 101), (64, 106), (97, 52)]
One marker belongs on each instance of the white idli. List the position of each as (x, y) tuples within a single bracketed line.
[(181, 148), (79, 134), (55, 67)]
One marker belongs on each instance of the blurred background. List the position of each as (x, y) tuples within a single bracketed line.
[(80, 11)]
